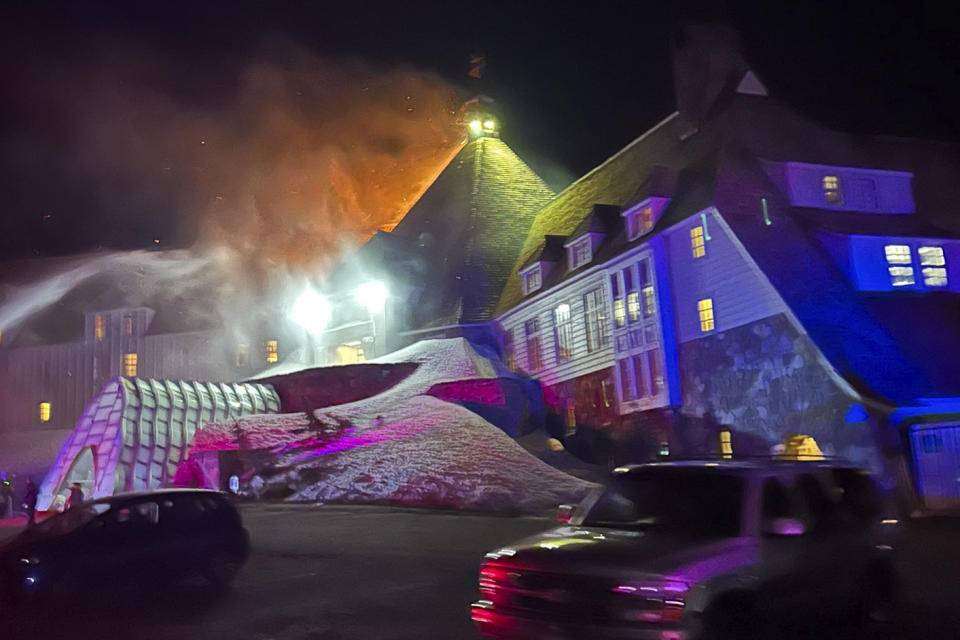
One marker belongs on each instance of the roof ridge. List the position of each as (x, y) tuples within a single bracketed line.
[(619, 153)]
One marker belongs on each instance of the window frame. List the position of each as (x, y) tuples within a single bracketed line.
[(45, 411), (531, 335), (532, 279), (698, 242), (832, 188), (130, 364), (706, 315), (595, 320), (579, 252), (564, 346)]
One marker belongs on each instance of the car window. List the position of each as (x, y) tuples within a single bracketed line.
[(820, 505), (775, 501), (137, 513), (859, 500), (684, 501)]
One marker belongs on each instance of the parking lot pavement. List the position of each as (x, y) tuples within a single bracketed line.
[(345, 573)]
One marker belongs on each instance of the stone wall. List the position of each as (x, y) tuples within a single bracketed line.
[(763, 381)]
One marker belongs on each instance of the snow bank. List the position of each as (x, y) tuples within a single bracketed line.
[(403, 446)]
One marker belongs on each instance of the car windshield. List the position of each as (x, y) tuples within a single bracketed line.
[(700, 502), (72, 519)]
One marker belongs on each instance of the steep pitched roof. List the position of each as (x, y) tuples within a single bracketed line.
[(618, 181), (471, 223)]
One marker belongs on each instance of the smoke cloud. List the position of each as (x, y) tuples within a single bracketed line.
[(264, 168)]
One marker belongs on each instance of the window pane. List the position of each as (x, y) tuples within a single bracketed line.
[(633, 306), (626, 387), (656, 372), (640, 376), (696, 242), (705, 309), (564, 333), (931, 256), (934, 276), (897, 254), (532, 332), (901, 276)]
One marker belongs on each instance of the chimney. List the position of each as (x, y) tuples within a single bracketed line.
[(707, 64)]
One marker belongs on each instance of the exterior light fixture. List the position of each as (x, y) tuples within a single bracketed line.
[(372, 295), (311, 311), (489, 125), (476, 126)]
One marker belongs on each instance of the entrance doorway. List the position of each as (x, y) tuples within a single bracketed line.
[(351, 353)]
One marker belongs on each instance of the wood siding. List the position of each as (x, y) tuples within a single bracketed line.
[(728, 276)]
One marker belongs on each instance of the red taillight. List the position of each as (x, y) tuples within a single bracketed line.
[(672, 611), (492, 577)]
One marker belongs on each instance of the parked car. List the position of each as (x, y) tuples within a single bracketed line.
[(126, 540), (697, 549)]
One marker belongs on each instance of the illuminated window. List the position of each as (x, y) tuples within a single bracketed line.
[(531, 329), (726, 444), (242, 355), (633, 296), (831, 190), (531, 280), (897, 256), (619, 309), (639, 223), (44, 412), (130, 365), (128, 325), (580, 253), (99, 327), (563, 330), (934, 266), (705, 309), (696, 242), (272, 354), (595, 320), (646, 288), (509, 354)]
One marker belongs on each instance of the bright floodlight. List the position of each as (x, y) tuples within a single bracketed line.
[(311, 311), (489, 125), (476, 126), (372, 295)]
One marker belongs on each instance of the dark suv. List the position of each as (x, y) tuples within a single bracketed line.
[(128, 539), (708, 549)]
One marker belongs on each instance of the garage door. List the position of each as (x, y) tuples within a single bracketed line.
[(936, 453)]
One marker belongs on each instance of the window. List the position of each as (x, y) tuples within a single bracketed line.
[(99, 327), (242, 355), (44, 412), (128, 325), (130, 365), (933, 265), (581, 252), (595, 320), (639, 222), (646, 288), (531, 330), (272, 353), (726, 445), (627, 391), (563, 332), (633, 296), (705, 309), (641, 388), (531, 280), (619, 310), (509, 355), (656, 371), (831, 190), (897, 256), (696, 242)]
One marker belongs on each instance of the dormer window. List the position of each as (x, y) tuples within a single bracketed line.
[(831, 190), (580, 253), (531, 279), (639, 222)]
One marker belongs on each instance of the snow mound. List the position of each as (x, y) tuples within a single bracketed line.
[(402, 446)]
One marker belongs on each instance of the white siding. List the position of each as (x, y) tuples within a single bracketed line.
[(726, 274), (542, 307)]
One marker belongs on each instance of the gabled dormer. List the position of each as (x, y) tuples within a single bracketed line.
[(859, 189), (640, 219), (535, 270), (583, 243)]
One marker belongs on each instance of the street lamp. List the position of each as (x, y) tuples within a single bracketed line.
[(311, 311), (372, 295)]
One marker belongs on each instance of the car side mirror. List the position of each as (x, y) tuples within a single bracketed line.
[(783, 527), (565, 513)]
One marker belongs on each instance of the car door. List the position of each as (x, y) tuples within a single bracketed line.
[(131, 541)]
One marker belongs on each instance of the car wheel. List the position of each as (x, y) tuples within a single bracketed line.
[(221, 569), (732, 617)]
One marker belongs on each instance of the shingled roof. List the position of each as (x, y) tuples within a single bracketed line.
[(471, 223), (620, 181)]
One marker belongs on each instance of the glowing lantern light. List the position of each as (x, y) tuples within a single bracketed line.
[(489, 125), (311, 311), (372, 295), (476, 126)]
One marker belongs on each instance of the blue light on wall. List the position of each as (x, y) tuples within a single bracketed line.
[(856, 413)]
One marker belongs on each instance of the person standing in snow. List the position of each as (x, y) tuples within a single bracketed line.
[(30, 495), (75, 499)]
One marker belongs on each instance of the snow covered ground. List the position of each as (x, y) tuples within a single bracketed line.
[(403, 446)]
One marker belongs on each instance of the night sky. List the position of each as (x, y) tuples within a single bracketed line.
[(573, 83)]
